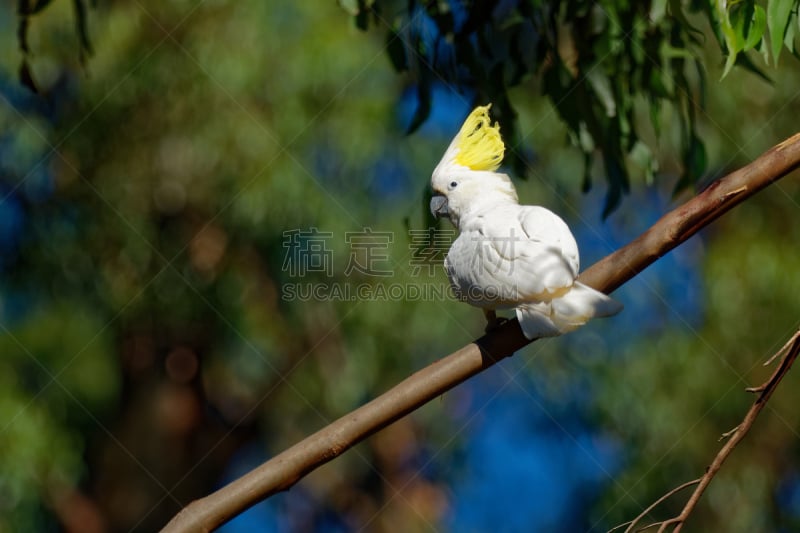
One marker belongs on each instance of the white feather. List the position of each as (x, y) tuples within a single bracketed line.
[(509, 256)]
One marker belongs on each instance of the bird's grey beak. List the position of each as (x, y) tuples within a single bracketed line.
[(439, 207)]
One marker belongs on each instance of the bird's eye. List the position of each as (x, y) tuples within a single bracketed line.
[(453, 184)]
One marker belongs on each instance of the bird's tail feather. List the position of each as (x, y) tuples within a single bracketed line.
[(535, 320), (574, 309)]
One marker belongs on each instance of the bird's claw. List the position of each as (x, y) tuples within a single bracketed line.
[(493, 321)]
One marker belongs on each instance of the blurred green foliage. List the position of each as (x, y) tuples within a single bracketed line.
[(143, 329), (598, 62)]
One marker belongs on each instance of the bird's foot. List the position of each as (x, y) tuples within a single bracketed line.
[(493, 321)]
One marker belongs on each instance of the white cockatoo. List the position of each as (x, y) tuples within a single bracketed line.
[(508, 256)]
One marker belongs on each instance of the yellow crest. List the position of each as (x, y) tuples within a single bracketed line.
[(479, 144)]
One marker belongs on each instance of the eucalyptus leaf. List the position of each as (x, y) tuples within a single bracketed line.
[(396, 50), (594, 61), (602, 88), (791, 33), (757, 28), (778, 12), (657, 10)]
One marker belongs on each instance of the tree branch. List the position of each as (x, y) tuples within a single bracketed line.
[(287, 468), (788, 354), (652, 506)]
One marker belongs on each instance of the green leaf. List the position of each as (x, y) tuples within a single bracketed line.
[(601, 86), (41, 4), (428, 220), (763, 49), (741, 16), (778, 12), (695, 162), (360, 10), (351, 6), (698, 159), (26, 78), (82, 28), (655, 115), (656, 85), (729, 62), (726, 26), (586, 184), (362, 20), (701, 82), (676, 10), (644, 160), (657, 11), (743, 27), (396, 50), (617, 177), (729, 34), (22, 35), (757, 27), (423, 108), (24, 8), (585, 139), (791, 33)]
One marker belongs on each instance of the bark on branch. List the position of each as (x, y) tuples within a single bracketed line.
[(287, 468)]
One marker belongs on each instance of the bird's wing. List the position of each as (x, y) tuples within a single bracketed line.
[(530, 252), (542, 225)]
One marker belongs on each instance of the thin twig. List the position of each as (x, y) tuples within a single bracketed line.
[(666, 523), (287, 468), (767, 389), (727, 434), (788, 354), (619, 526), (779, 353), (656, 503)]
